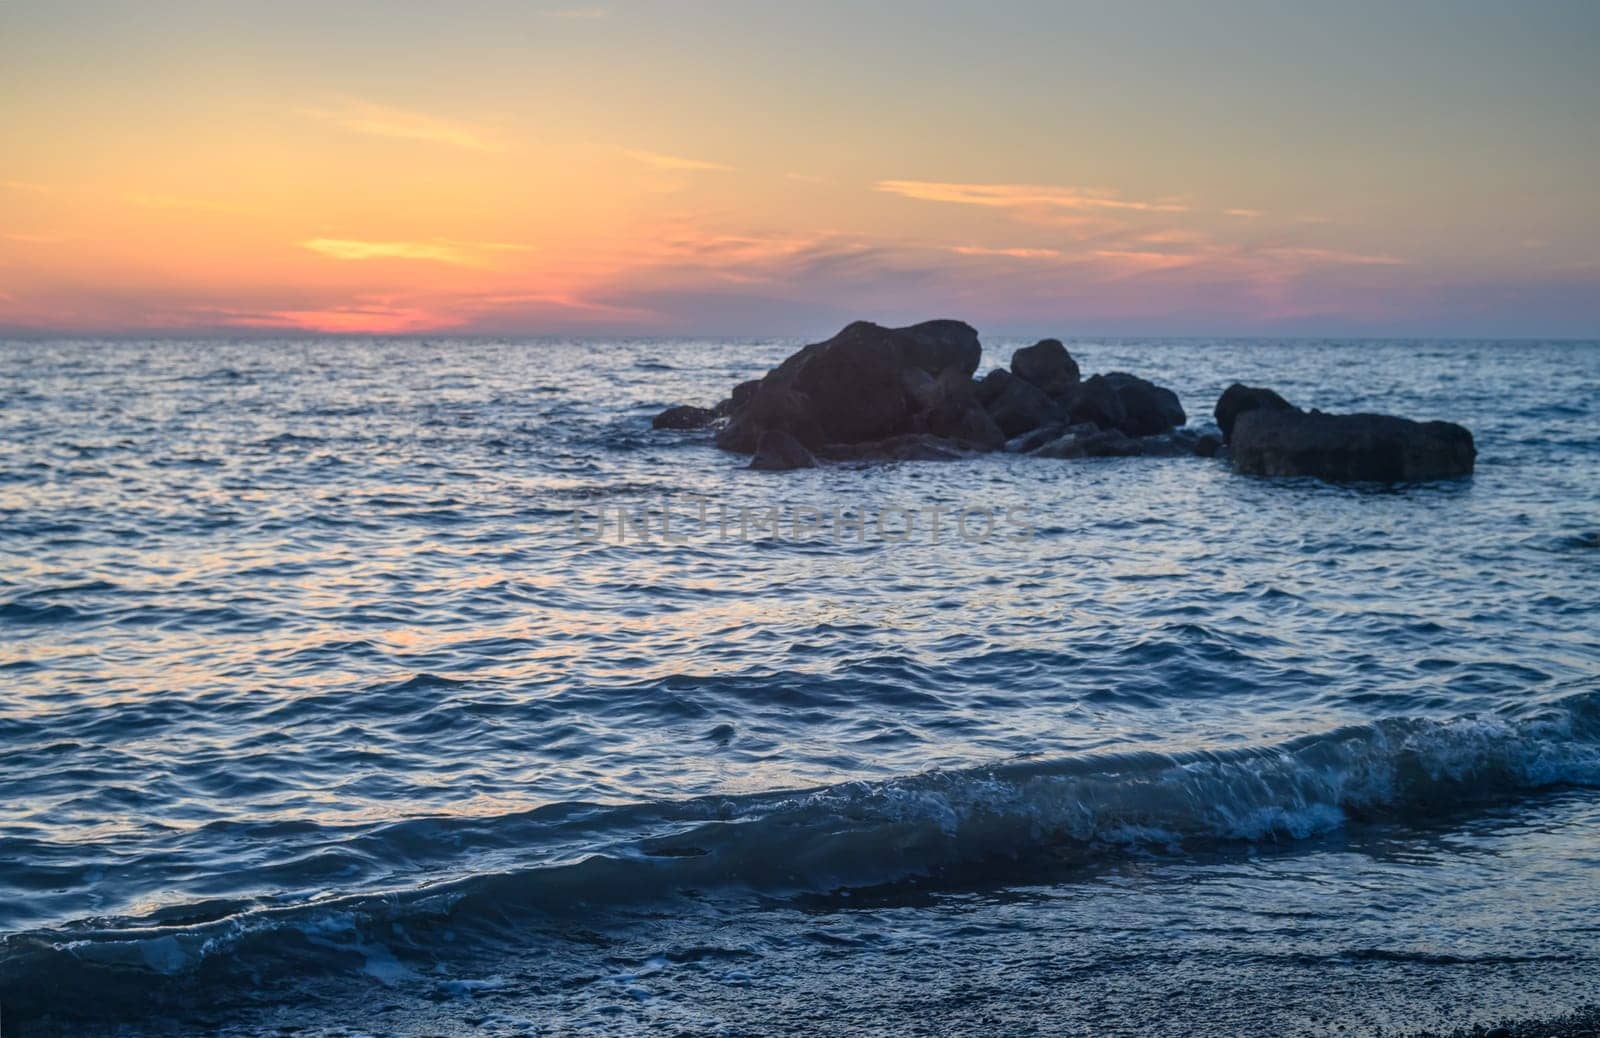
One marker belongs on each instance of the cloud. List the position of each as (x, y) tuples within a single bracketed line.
[(1335, 256), (983, 250), (1022, 196), (660, 161), (1248, 214), (382, 121), (454, 253), (23, 185)]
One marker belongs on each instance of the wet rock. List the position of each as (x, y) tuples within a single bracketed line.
[(952, 411), (738, 398), (1101, 443), (1147, 409), (1035, 439), (1021, 407), (1048, 365), (770, 406), (910, 447), (989, 387), (1238, 399), (938, 346), (779, 451), (1207, 445), (684, 416), (866, 383), (1095, 401), (1267, 441), (853, 385)]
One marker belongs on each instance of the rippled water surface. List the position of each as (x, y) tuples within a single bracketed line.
[(328, 701)]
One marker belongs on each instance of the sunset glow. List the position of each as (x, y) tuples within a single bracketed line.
[(719, 168)]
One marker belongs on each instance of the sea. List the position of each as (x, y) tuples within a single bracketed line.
[(420, 687)]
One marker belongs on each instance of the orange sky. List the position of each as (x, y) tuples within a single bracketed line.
[(723, 168)]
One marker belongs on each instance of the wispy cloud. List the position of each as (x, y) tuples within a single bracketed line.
[(383, 121), (659, 161), (1019, 196), (1248, 214), (454, 253), (24, 185), (1312, 255), (984, 250)]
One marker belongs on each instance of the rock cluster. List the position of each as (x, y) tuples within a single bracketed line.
[(905, 394), (872, 392)]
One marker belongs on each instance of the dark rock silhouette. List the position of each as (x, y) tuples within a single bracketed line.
[(1237, 399), (779, 451), (770, 406), (684, 416), (1048, 365), (1022, 406), (1268, 441), (872, 393), (1098, 443), (910, 447), (866, 383), (1147, 408), (1096, 403)]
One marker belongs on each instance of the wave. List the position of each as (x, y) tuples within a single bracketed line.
[(939, 823)]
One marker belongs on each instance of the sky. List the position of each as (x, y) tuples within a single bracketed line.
[(751, 168)]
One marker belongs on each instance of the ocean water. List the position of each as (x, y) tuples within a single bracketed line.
[(358, 687)]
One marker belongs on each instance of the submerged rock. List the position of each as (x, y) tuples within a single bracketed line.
[(1030, 441), (779, 451), (1100, 443), (911, 447), (1268, 441), (684, 416), (1238, 399)]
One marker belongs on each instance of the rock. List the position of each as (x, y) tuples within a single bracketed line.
[(1020, 407), (1237, 399), (989, 388), (738, 398), (911, 447), (1096, 401), (1147, 408), (1268, 441), (1100, 443), (937, 346), (921, 387), (866, 383), (854, 386), (1207, 445), (1048, 365), (779, 451), (771, 406), (1033, 440), (953, 412), (684, 416)]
